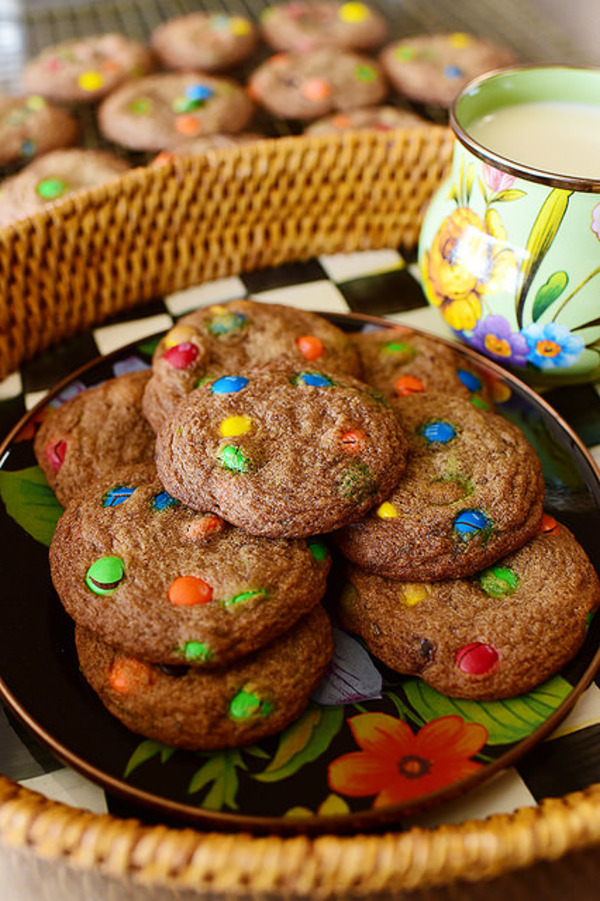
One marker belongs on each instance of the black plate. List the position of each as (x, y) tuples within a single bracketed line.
[(282, 783)]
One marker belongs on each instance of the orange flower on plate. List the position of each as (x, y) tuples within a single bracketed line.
[(395, 764)]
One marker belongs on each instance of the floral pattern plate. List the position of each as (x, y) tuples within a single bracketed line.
[(373, 747)]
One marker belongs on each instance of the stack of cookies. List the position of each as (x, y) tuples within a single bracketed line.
[(196, 592), (204, 499), (459, 577)]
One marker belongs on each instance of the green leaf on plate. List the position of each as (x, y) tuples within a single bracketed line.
[(220, 770), (548, 293), (303, 742), (507, 721), (30, 501), (145, 751)]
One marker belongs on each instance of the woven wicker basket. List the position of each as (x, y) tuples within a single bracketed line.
[(161, 229)]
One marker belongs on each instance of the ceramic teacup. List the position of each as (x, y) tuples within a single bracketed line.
[(510, 246)]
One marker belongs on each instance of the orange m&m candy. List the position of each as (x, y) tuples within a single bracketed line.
[(408, 384), (310, 346), (187, 591), (128, 674)]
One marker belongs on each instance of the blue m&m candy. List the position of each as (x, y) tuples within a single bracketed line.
[(438, 432), (470, 522), (198, 92), (117, 495), (469, 379), (229, 384), (314, 379)]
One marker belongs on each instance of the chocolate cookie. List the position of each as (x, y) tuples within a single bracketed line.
[(310, 85), (282, 450), (171, 585), (302, 27), (215, 340), (30, 126), (433, 68), (93, 433), (472, 492), (52, 177), (166, 109), (196, 709), (378, 118), (496, 635), (207, 42), (86, 69), (400, 361)]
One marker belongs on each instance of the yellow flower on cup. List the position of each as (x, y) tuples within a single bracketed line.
[(468, 258)]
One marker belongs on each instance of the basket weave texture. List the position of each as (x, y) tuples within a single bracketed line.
[(164, 228)]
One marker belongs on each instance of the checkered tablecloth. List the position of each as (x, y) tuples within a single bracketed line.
[(378, 283)]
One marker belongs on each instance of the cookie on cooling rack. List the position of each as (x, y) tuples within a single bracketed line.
[(31, 126), (301, 26), (376, 118), (310, 85), (94, 432), (472, 492), (171, 585), (86, 69), (198, 709), (433, 68), (282, 449), (204, 41), (225, 337), (169, 108), (495, 635), (54, 176)]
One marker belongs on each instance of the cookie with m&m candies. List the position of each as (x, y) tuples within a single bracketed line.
[(208, 42), (224, 337), (53, 176), (186, 707), (302, 26), (93, 433), (31, 126), (85, 69), (433, 68), (377, 118), (172, 585), (167, 109), (472, 492), (400, 361), (282, 449), (310, 85), (494, 635)]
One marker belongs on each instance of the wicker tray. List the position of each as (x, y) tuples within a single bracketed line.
[(89, 257)]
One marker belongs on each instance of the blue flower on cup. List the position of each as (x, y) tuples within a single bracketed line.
[(552, 345)]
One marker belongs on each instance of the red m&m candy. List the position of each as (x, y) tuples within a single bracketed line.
[(476, 658), (182, 356)]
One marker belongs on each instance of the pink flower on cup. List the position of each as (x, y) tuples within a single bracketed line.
[(595, 226), (496, 180)]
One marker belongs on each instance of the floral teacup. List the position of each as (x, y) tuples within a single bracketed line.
[(510, 247)]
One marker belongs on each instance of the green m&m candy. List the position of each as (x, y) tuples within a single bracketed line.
[(105, 575), (51, 188)]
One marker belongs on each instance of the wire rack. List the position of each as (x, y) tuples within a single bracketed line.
[(27, 26)]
